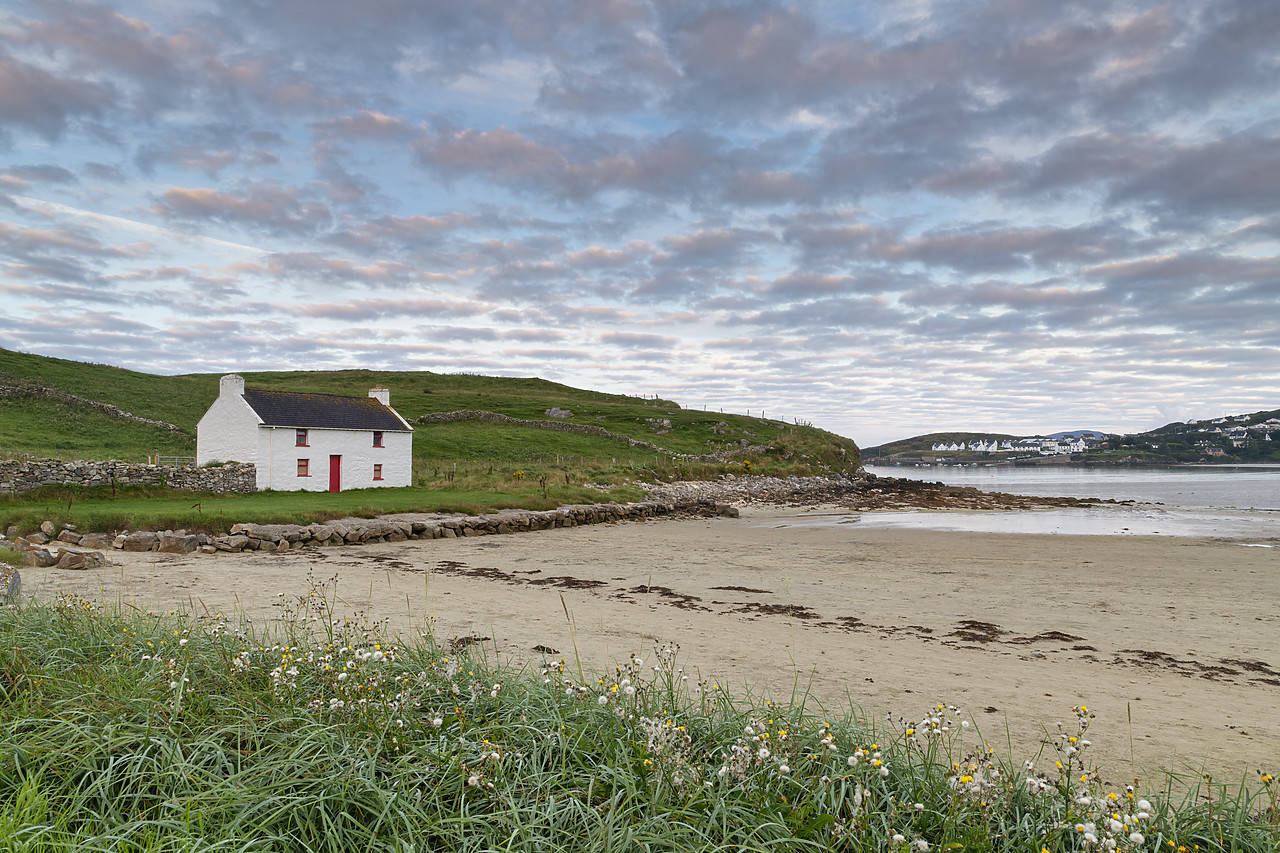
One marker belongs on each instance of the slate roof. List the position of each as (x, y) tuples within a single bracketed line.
[(322, 411)]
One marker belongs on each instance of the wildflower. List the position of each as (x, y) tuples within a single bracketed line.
[(604, 699), (898, 838), (922, 845), (1137, 838)]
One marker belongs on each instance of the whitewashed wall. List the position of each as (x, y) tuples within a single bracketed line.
[(228, 432), (278, 457)]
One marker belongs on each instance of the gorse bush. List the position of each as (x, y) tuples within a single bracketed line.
[(182, 731)]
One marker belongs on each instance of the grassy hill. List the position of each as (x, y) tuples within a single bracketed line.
[(36, 424), (924, 443)]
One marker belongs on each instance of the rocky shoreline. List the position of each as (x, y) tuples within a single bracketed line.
[(866, 493)]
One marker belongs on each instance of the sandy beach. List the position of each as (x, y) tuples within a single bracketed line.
[(1170, 640)]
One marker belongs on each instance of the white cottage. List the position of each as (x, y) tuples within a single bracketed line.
[(315, 442)]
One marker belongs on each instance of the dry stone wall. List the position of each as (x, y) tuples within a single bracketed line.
[(114, 411), (24, 475), (66, 547)]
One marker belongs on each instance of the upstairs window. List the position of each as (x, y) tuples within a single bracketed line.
[(304, 466), (300, 438), (377, 439), (377, 472)]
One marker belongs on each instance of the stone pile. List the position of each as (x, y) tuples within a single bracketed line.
[(354, 531), (398, 528), (58, 556), (866, 492), (24, 475), (760, 489)]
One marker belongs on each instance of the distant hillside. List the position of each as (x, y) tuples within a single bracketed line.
[(1241, 438), (34, 422)]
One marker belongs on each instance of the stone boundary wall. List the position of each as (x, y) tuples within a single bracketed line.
[(115, 411), (65, 548), (583, 429), (24, 475)]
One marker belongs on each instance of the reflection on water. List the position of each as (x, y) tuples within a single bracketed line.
[(1103, 521)]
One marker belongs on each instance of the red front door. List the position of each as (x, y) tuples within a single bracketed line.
[(335, 473)]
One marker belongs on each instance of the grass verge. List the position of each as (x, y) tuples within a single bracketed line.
[(108, 510), (134, 731)]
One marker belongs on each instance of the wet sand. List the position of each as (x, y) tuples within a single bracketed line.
[(1170, 640)]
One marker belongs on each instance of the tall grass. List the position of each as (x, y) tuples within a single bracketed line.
[(184, 731)]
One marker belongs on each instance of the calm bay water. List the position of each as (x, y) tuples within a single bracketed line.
[(1190, 487), (1238, 502)]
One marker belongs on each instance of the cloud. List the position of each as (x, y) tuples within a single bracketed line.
[(46, 173), (270, 208), (45, 103), (639, 340)]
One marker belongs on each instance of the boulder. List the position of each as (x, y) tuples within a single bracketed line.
[(142, 540), (557, 412), (38, 558), (173, 543), (48, 528), (10, 583), (69, 536), (69, 558), (230, 543), (37, 538), (100, 541)]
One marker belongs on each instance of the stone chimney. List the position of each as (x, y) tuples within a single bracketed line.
[(382, 395), (231, 385)]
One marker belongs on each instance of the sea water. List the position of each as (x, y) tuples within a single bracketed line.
[(1240, 502)]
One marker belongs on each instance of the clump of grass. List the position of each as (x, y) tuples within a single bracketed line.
[(182, 731)]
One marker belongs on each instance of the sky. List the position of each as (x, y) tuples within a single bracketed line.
[(883, 218)]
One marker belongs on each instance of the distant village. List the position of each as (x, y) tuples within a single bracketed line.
[(1042, 446), (1239, 433), (1235, 429)]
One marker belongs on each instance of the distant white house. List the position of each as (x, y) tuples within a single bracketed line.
[(312, 442)]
